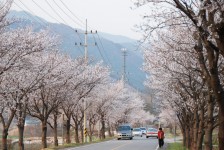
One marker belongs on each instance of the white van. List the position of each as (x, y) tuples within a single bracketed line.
[(124, 132)]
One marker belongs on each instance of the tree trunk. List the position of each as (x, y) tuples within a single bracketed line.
[(109, 132), (21, 123), (5, 129), (188, 137), (195, 130), (90, 132), (55, 130), (77, 133), (183, 129), (103, 127), (217, 89), (109, 128), (201, 128), (221, 130), (219, 94), (44, 134), (184, 138), (209, 124), (68, 127), (82, 134), (4, 138), (220, 101), (21, 136)]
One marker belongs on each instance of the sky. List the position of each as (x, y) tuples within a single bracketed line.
[(117, 17)]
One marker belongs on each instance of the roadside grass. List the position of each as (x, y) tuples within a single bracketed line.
[(169, 135), (176, 146), (38, 146), (215, 139), (77, 144)]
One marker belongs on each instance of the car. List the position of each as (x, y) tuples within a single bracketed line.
[(143, 130), (124, 132), (152, 132), (137, 132)]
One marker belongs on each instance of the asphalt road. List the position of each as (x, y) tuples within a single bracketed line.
[(138, 143)]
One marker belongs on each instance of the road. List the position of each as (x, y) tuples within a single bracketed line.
[(138, 143)]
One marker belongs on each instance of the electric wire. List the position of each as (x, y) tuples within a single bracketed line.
[(71, 12), (67, 14), (35, 18), (3, 6), (76, 23), (101, 43), (62, 19), (56, 12), (57, 19), (45, 11), (99, 49), (66, 23)]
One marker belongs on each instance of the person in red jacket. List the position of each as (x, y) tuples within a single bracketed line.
[(161, 137)]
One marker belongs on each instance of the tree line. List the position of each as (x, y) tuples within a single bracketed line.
[(185, 60), (37, 80)]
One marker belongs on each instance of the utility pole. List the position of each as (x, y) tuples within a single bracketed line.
[(84, 103), (85, 45), (86, 62), (123, 77)]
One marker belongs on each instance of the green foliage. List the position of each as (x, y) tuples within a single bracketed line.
[(176, 146)]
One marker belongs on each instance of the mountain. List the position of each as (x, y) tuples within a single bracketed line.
[(102, 46), (117, 38)]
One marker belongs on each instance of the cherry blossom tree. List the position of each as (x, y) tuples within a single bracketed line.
[(17, 46), (85, 78), (205, 17), (48, 97), (105, 103), (180, 82)]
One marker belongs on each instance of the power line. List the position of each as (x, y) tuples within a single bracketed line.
[(38, 20), (71, 12), (45, 11), (3, 6), (63, 19), (67, 14), (56, 12), (103, 49), (35, 18), (56, 19), (99, 49)]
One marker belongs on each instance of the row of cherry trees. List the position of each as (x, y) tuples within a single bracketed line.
[(37, 80), (185, 60)]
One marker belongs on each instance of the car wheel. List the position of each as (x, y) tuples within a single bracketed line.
[(131, 138), (147, 137), (141, 135), (118, 138)]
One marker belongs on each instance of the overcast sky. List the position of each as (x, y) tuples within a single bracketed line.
[(110, 16)]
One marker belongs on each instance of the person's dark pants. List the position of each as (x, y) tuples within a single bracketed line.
[(161, 142)]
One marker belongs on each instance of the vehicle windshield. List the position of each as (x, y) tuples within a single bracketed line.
[(124, 128), (152, 130), (143, 128), (136, 129)]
